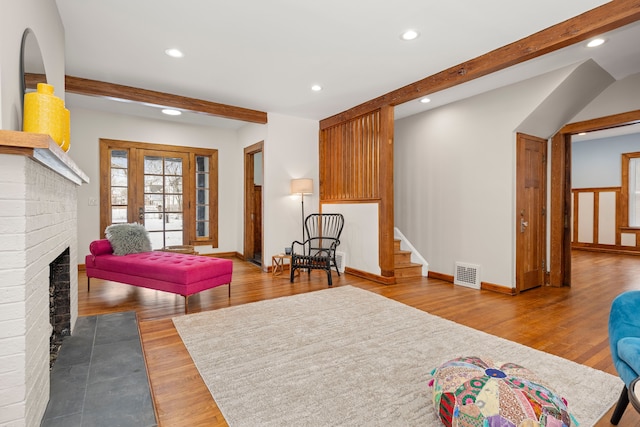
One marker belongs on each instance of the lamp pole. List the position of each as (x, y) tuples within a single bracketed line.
[(302, 202), (302, 186)]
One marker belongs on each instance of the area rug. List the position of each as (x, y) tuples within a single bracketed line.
[(348, 357)]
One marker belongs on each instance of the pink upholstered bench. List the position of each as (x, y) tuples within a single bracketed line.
[(164, 271)]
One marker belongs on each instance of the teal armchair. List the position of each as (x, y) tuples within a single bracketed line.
[(624, 342)]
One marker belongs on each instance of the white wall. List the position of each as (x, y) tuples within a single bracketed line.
[(257, 169), (620, 97), (597, 163), (290, 151), (360, 237), (88, 126), (454, 178), (43, 18)]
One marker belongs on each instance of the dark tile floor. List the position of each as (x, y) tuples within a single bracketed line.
[(100, 378)]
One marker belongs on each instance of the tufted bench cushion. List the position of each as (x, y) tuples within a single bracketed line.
[(168, 266), (165, 271)]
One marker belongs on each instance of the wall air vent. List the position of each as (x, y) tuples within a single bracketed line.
[(341, 259), (467, 275)]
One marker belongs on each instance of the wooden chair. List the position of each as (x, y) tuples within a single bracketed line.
[(318, 251)]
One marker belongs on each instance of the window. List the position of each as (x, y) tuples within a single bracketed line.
[(119, 186), (171, 190), (630, 191), (634, 192), (202, 196)]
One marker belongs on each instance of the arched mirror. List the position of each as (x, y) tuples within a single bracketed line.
[(32, 69)]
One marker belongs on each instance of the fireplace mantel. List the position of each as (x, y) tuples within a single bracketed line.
[(44, 150)]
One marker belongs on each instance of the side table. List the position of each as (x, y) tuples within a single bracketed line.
[(278, 263)]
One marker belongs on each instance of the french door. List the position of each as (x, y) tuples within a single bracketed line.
[(147, 187), (160, 204), (171, 190)]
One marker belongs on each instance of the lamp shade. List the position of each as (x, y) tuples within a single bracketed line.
[(302, 186)]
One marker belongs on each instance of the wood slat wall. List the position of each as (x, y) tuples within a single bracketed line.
[(356, 165), (350, 160)]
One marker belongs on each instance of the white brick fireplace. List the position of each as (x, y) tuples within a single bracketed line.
[(38, 221)]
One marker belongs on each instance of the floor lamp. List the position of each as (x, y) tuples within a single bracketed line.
[(302, 186)]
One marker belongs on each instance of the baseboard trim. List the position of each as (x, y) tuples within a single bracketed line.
[(486, 286), (369, 276), (497, 288), (440, 276)]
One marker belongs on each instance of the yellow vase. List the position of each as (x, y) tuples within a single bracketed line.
[(66, 130), (44, 113)]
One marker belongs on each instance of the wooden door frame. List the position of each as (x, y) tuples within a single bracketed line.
[(520, 137), (249, 152), (560, 214)]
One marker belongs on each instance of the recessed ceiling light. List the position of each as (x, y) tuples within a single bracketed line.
[(595, 42), (425, 100), (174, 53), (316, 88), (170, 112), (409, 35), (582, 134)]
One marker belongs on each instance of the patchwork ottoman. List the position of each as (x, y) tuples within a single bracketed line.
[(475, 392)]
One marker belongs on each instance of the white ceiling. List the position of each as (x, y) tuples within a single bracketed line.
[(265, 55)]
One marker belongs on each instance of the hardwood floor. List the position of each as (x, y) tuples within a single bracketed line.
[(568, 322)]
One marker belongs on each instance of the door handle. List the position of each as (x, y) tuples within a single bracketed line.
[(140, 213), (523, 225)]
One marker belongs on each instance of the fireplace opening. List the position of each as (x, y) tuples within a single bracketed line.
[(59, 303)]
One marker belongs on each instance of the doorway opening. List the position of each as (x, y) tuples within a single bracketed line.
[(253, 182), (561, 186)]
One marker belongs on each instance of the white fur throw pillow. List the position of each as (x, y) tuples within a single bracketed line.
[(128, 238)]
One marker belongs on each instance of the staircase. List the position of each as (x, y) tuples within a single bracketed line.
[(404, 268)]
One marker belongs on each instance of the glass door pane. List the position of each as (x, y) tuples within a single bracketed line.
[(163, 198), (202, 196), (119, 185)]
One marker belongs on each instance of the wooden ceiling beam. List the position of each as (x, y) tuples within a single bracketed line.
[(612, 15), (113, 91)]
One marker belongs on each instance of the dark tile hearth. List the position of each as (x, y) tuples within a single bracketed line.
[(100, 378)]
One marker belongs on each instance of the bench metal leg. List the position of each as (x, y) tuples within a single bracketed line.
[(88, 283), (186, 304)]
